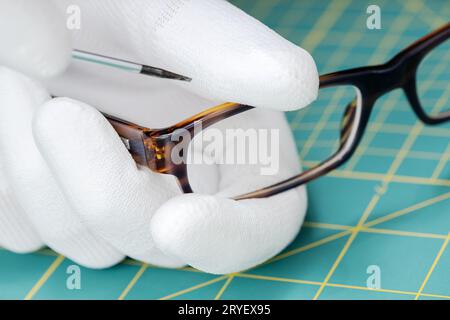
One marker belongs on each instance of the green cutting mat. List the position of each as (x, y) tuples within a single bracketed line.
[(385, 208)]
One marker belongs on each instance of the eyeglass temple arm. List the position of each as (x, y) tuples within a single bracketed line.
[(128, 130), (429, 41)]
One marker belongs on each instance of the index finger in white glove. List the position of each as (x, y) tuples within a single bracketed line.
[(229, 55)]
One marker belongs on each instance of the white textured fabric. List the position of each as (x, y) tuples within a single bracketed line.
[(33, 37), (16, 232), (100, 178), (210, 41), (220, 235), (31, 182), (102, 205)]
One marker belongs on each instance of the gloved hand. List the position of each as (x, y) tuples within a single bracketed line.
[(66, 179)]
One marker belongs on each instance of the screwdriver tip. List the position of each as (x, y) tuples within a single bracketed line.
[(161, 73)]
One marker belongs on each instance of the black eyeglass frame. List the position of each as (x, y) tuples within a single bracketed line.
[(371, 83)]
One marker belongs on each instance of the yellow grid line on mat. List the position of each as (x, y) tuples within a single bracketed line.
[(270, 278), (426, 15), (390, 40), (348, 243), (433, 266), (415, 207), (441, 103), (400, 24), (290, 17), (133, 281), (348, 230), (335, 60), (318, 283), (224, 287), (379, 127), (442, 163), (261, 9), (335, 285), (51, 269), (390, 152), (375, 199), (311, 49), (369, 136), (366, 226), (193, 288), (381, 117), (403, 233), (304, 282), (326, 21), (299, 281), (373, 202), (309, 246), (363, 176), (330, 226), (404, 129)]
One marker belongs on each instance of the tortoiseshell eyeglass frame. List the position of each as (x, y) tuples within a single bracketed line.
[(153, 147)]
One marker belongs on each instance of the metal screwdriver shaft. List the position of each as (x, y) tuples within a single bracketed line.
[(127, 65)]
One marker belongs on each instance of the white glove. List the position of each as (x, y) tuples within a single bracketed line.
[(80, 192)]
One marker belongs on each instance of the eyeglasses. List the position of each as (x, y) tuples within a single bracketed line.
[(421, 71)]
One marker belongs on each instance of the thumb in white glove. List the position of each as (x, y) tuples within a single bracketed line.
[(235, 58)]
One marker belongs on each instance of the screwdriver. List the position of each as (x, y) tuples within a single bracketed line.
[(127, 65)]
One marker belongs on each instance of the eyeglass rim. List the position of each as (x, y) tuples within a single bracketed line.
[(364, 79)]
